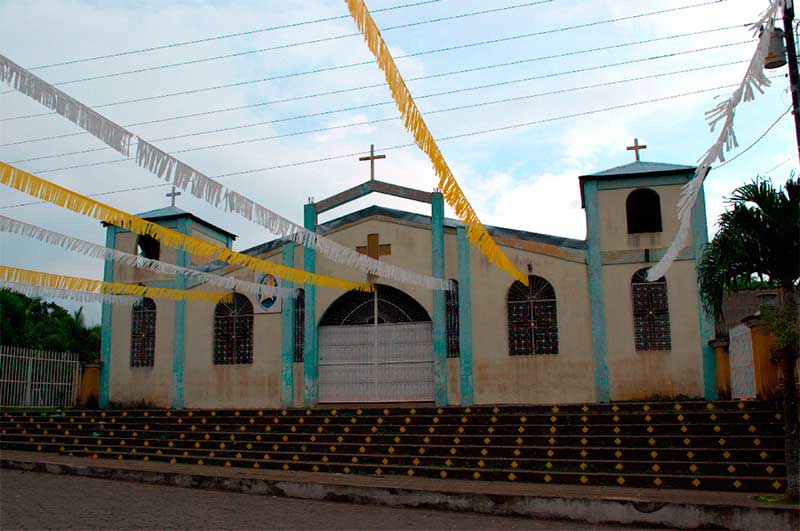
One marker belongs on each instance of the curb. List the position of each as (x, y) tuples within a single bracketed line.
[(587, 506)]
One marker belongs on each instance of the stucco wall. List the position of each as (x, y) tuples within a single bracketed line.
[(648, 374), (614, 225), (136, 384)]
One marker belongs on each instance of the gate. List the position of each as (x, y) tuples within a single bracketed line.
[(376, 347), (34, 378)]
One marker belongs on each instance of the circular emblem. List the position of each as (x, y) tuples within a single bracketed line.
[(268, 298)]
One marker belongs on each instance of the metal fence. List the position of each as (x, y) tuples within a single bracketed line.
[(35, 378)]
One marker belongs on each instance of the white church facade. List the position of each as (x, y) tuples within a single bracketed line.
[(588, 328)]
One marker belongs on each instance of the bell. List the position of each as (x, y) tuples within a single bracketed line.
[(776, 54)]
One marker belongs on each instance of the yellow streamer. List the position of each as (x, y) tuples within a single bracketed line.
[(415, 124), (49, 280), (52, 193)]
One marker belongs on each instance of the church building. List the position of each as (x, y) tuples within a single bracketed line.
[(589, 327)]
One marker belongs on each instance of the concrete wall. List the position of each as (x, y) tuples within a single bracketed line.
[(648, 374)]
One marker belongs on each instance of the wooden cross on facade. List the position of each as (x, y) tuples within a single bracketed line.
[(172, 195), (372, 158), (636, 147), (374, 248)]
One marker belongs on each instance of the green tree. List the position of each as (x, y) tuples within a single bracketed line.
[(759, 237), (36, 324)]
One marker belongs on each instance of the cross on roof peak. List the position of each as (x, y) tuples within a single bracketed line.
[(372, 158), (174, 193), (636, 147)]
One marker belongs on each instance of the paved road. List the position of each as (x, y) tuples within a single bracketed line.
[(30, 500)]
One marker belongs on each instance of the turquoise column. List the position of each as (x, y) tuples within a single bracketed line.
[(699, 240), (179, 326), (287, 334), (464, 318), (105, 335), (596, 300), (310, 348), (439, 316)]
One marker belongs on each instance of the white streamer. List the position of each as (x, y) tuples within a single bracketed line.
[(39, 292), (754, 79), (94, 250), (34, 87), (167, 167)]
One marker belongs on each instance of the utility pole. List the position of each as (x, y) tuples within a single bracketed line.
[(791, 56)]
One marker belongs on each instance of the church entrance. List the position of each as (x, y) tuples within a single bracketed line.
[(376, 347)]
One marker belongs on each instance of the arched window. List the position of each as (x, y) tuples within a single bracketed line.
[(143, 333), (233, 331), (650, 312), (299, 324), (532, 319), (147, 247), (643, 208), (451, 312)]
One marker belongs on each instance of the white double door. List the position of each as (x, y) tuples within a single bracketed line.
[(390, 362)]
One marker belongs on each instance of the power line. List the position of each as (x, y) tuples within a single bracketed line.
[(362, 63), (402, 146), (110, 192), (225, 36), (778, 165), (377, 85), (425, 96), (757, 140), (335, 157), (295, 44)]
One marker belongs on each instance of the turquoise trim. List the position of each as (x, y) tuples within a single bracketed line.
[(179, 337), (699, 239), (287, 334), (105, 334), (439, 315), (596, 301), (464, 318), (642, 182), (310, 340)]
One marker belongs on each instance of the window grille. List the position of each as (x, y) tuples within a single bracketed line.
[(233, 331), (143, 333), (532, 318), (643, 210), (651, 328), (299, 324), (451, 312)]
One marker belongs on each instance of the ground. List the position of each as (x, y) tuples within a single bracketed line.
[(30, 500)]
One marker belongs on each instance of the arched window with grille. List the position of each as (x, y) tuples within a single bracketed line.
[(233, 331), (299, 324), (451, 312), (143, 333), (532, 318), (651, 329), (643, 211)]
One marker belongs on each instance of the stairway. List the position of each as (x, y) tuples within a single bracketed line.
[(723, 446)]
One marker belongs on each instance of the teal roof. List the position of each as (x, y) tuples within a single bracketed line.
[(171, 212), (639, 168)]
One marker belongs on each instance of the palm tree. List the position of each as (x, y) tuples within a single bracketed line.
[(759, 236)]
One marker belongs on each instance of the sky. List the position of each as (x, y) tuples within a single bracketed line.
[(567, 60)]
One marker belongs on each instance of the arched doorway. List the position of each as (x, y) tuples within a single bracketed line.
[(376, 347)]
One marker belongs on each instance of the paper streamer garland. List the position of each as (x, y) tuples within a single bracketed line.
[(415, 124), (754, 80), (183, 176), (34, 87), (42, 189), (78, 296), (62, 282), (94, 250)]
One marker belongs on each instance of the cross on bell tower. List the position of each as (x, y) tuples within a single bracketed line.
[(636, 147), (372, 158), (172, 195)]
